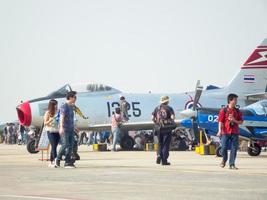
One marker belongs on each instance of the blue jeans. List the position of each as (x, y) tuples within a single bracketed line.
[(116, 135), (66, 147), (164, 145), (23, 140), (54, 140), (232, 142)]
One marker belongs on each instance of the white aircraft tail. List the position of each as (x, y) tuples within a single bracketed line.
[(252, 77)]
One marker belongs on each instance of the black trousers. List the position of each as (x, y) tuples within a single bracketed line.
[(54, 140), (164, 145)]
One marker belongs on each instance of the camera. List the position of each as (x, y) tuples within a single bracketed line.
[(231, 124)]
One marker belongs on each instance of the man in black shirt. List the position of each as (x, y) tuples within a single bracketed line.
[(124, 106), (163, 117)]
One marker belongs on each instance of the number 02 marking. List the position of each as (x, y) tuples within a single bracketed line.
[(213, 118)]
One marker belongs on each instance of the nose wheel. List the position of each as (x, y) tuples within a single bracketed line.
[(31, 147)]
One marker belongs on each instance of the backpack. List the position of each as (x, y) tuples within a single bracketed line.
[(163, 122), (162, 115)]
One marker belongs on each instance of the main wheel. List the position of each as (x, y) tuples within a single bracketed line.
[(127, 143), (254, 151), (182, 145), (218, 151), (31, 147)]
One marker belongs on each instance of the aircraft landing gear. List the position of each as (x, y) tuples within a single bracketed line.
[(218, 151), (127, 143), (31, 146), (34, 137), (254, 149)]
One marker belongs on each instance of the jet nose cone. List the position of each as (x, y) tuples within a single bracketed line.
[(188, 113), (24, 114)]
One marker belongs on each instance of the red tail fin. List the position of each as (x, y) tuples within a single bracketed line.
[(258, 58)]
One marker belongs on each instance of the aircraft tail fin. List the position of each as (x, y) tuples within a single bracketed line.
[(252, 77)]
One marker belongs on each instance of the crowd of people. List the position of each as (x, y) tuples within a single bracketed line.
[(13, 133)]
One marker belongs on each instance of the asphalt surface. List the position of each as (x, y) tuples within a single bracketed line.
[(130, 175)]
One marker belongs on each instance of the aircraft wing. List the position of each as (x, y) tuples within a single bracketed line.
[(251, 138), (256, 96), (133, 126)]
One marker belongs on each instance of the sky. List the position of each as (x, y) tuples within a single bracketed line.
[(163, 46)]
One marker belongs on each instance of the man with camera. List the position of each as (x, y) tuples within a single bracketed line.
[(230, 118), (163, 116)]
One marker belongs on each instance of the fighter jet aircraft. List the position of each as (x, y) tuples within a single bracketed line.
[(98, 101), (253, 129)]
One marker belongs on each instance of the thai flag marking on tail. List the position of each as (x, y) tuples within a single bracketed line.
[(249, 78)]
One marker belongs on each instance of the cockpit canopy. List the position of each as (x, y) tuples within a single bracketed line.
[(259, 107), (90, 88)]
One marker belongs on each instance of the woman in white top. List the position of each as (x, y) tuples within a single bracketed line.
[(51, 126)]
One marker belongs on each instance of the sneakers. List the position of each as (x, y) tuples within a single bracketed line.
[(52, 165), (57, 162), (166, 163), (222, 165), (158, 161), (69, 166), (233, 167)]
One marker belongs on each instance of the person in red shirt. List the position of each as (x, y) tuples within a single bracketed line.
[(229, 120)]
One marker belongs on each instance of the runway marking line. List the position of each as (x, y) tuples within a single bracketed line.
[(34, 197)]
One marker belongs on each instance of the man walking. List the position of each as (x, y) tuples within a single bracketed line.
[(229, 120), (163, 117), (66, 130)]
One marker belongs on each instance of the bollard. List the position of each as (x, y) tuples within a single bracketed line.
[(95, 147), (149, 146), (156, 146)]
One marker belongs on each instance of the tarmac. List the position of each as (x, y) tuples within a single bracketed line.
[(130, 175)]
